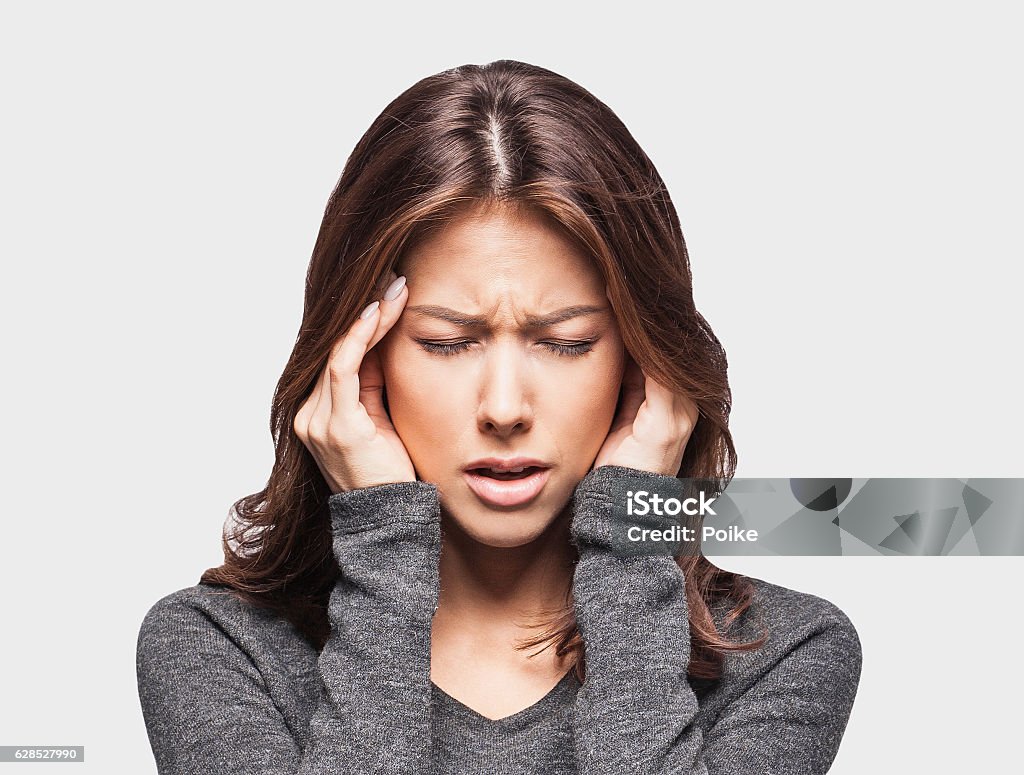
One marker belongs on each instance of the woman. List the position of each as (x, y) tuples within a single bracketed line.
[(498, 327)]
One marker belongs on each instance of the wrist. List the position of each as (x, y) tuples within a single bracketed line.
[(593, 500), (381, 504)]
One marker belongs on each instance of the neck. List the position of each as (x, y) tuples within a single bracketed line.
[(486, 584)]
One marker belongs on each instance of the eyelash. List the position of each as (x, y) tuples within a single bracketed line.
[(576, 350)]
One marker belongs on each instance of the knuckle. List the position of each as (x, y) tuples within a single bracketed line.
[(315, 433), (666, 437), (334, 370), (300, 423)]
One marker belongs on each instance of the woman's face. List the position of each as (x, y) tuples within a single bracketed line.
[(473, 370)]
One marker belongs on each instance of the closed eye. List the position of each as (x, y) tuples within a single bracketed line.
[(443, 348), (568, 349)]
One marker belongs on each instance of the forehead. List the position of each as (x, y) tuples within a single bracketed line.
[(499, 251)]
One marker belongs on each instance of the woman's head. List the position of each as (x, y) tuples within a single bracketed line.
[(515, 141), (503, 191), (507, 348)]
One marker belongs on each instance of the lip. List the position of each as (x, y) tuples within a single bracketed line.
[(511, 492), (507, 463)]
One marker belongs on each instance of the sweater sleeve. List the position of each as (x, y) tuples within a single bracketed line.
[(207, 706), (635, 710)]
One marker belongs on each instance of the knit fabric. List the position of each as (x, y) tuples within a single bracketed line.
[(226, 687)]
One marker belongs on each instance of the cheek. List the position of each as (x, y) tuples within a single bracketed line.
[(585, 399), (420, 395), (599, 397)]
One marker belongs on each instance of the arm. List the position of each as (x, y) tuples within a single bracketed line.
[(635, 710), (792, 720), (208, 709)]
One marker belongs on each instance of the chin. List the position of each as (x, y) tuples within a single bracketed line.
[(504, 529)]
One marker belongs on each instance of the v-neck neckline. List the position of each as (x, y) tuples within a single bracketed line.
[(516, 720)]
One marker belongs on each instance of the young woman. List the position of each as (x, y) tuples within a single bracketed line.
[(499, 326)]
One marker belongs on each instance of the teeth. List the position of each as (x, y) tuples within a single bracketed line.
[(509, 470)]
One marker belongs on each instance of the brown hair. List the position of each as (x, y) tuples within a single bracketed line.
[(513, 133)]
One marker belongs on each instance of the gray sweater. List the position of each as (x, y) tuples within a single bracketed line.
[(229, 688)]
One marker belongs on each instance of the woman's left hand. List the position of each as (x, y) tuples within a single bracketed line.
[(651, 428)]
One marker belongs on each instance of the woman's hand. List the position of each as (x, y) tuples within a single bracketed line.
[(651, 428), (343, 422)]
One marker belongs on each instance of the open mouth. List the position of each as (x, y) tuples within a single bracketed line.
[(521, 473), (507, 489)]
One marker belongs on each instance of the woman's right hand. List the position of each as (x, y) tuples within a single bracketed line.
[(343, 422)]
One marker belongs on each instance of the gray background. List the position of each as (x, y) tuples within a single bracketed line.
[(848, 180)]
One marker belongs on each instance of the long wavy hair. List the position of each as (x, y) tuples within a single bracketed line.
[(505, 132)]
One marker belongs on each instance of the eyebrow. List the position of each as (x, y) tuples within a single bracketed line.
[(532, 321)]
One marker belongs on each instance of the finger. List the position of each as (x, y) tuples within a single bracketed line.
[(689, 409), (675, 411), (307, 409), (677, 405), (321, 403), (343, 366), (300, 423), (391, 309), (659, 397)]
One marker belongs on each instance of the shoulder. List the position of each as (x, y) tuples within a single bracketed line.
[(210, 620), (785, 705), (800, 613), (213, 669), (800, 628), (196, 607)]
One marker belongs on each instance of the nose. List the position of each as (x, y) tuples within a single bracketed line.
[(504, 404)]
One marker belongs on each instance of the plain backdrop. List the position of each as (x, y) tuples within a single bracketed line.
[(848, 179)]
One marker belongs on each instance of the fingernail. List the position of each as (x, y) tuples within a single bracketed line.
[(370, 309), (394, 289)]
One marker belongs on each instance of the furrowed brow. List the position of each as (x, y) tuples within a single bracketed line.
[(532, 321), (566, 313)]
